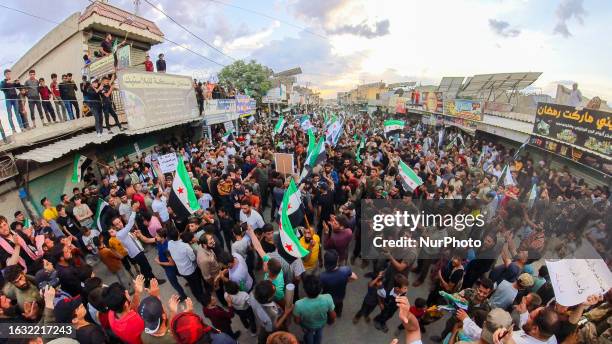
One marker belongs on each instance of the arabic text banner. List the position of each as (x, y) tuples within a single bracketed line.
[(153, 99), (591, 129), (463, 108)]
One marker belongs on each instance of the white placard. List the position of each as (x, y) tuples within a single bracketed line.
[(229, 126), (137, 149), (168, 162), (574, 280)]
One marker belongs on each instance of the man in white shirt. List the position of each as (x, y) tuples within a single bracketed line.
[(204, 200), (231, 150), (132, 245), (159, 206), (250, 216), (185, 260)]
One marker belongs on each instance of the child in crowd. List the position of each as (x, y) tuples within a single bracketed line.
[(238, 301), (219, 317), (112, 242), (400, 288), (112, 260), (374, 296)]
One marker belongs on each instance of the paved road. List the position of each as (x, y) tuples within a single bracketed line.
[(342, 331)]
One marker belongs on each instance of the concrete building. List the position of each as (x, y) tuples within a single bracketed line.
[(61, 51)]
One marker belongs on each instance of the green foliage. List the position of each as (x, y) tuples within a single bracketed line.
[(252, 77)]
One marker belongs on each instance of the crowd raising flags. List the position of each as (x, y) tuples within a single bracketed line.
[(101, 210), (410, 180), (81, 163), (359, 148), (334, 131), (393, 126), (291, 212), (314, 157), (182, 197), (279, 125)]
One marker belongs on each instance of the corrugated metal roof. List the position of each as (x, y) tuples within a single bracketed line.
[(111, 12), (60, 148)]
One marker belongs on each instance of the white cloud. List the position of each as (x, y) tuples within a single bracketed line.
[(567, 10)]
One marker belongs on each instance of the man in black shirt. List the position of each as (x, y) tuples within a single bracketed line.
[(107, 45), (106, 92), (161, 64), (95, 103)]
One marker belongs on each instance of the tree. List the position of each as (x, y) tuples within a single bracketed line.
[(251, 78)]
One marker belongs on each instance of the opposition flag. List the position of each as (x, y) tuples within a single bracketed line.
[(183, 200), (532, 195), (410, 180), (228, 136), (101, 208), (316, 156), (305, 123), (507, 176), (393, 126), (279, 125), (333, 133), (81, 163), (359, 148), (312, 141), (294, 209), (518, 151), (291, 208)]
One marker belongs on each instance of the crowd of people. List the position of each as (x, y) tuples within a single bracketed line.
[(230, 254)]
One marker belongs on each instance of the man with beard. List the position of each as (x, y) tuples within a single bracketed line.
[(22, 288), (17, 248), (477, 299)]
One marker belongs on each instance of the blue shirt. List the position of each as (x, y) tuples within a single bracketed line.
[(162, 248), (334, 282)]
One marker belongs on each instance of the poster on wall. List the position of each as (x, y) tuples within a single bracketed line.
[(463, 108), (153, 99), (570, 152), (591, 129), (433, 101)]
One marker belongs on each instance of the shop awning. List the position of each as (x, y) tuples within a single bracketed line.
[(62, 147)]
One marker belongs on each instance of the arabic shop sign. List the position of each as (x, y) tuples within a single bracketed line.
[(591, 129)]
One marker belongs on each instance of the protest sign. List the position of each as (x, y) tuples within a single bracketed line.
[(284, 163), (168, 162), (574, 280)]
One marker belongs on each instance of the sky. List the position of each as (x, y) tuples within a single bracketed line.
[(342, 43)]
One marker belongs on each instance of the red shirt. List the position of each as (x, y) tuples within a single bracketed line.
[(418, 312), (128, 328), (138, 197), (44, 92), (148, 66), (54, 89)]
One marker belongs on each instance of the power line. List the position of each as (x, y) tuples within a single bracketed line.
[(272, 18), (189, 31), (182, 46), (30, 14)]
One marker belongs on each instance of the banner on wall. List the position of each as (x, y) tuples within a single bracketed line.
[(570, 152), (433, 101), (153, 99), (463, 108), (245, 105), (591, 129)]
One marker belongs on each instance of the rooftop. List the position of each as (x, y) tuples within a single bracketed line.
[(111, 12)]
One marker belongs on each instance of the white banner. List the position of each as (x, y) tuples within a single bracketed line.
[(168, 162)]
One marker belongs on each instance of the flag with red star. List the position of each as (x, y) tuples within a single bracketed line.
[(183, 200), (289, 239)]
